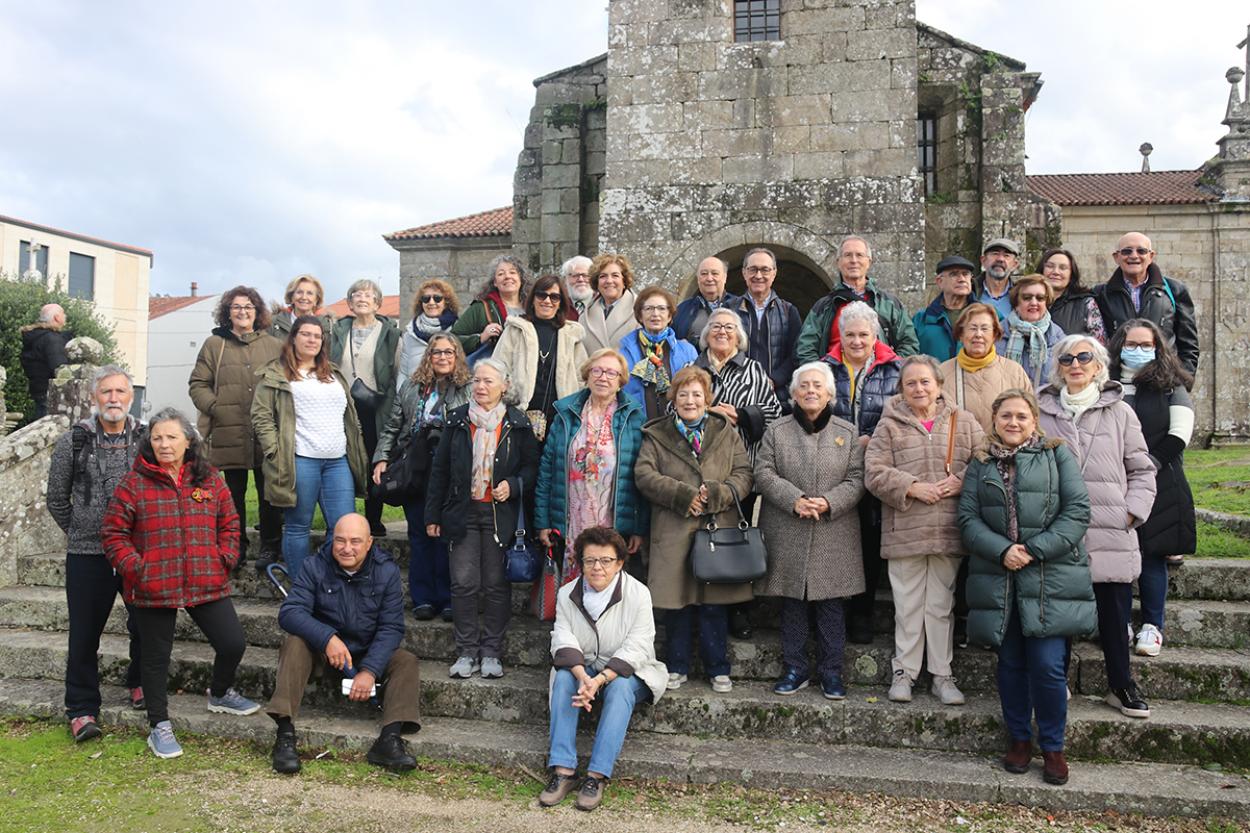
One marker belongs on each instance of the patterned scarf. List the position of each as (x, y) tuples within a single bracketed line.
[(485, 440), (651, 368), (692, 433), (1032, 333), (1005, 461)]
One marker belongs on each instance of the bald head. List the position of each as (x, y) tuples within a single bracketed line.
[(1134, 254), (352, 541), (52, 314)]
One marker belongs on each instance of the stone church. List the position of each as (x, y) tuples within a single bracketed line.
[(711, 126)]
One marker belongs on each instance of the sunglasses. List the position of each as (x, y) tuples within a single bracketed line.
[(431, 299), (1084, 357), (553, 297), (1141, 251)]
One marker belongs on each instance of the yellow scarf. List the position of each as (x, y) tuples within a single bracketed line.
[(850, 372), (971, 365)]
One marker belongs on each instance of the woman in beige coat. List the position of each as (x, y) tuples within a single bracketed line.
[(691, 465), (978, 373), (610, 316), (915, 464)]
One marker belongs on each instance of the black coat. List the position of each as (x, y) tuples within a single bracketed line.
[(1068, 311), (1166, 304), (448, 494), (43, 351), (1171, 528)]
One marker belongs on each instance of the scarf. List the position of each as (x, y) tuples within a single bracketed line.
[(1005, 461), (485, 441), (971, 365), (693, 434), (1078, 403), (423, 326), (813, 426), (1032, 333), (651, 368), (596, 601)]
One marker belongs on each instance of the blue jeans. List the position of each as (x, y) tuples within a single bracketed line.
[(1032, 683), (429, 573), (1152, 586), (317, 481), (618, 700), (713, 638)]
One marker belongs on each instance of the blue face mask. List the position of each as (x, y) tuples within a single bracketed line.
[(1136, 357)]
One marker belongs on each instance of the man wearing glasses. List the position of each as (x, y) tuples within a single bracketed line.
[(576, 274), (1138, 289), (772, 323), (692, 313), (999, 260)]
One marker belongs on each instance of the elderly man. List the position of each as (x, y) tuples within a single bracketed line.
[(43, 351), (1138, 289), (87, 463), (772, 323), (346, 611), (576, 274), (692, 313), (999, 260), (820, 328), (935, 324)]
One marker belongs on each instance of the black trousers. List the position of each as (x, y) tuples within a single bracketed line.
[(1115, 604), (219, 623), (270, 516), (369, 430), (869, 509), (91, 586)]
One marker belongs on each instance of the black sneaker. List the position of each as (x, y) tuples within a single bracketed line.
[(1129, 701), (423, 613), (739, 623), (285, 757), (391, 752)]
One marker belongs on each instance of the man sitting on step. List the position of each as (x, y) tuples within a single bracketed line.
[(346, 610)]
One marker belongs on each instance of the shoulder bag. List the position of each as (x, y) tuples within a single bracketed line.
[(733, 555), (522, 563)]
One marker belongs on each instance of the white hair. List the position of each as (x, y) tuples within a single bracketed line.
[(1066, 344), (105, 371), (848, 239), (820, 367), (743, 340), (497, 365), (574, 262), (858, 311)]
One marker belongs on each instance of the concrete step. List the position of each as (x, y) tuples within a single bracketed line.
[(1178, 732), (1212, 675)]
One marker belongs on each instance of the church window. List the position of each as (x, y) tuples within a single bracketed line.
[(926, 146), (757, 20)]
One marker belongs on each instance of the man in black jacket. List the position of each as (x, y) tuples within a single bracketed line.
[(43, 351), (1138, 289)]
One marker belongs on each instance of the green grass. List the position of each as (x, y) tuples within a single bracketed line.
[(1213, 475), (389, 513)]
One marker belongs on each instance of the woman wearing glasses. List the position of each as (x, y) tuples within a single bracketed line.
[(435, 308), (1031, 336), (653, 351), (1074, 308), (222, 385), (1085, 409)]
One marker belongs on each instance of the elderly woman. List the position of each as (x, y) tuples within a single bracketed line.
[(1023, 513), (486, 460), (915, 464), (310, 437), (1086, 410), (365, 346), (1074, 308), (810, 472), (304, 296), (438, 386), (435, 309), (979, 373), (865, 372), (653, 351), (603, 641), (1031, 336), (172, 534), (502, 295), (610, 316), (694, 469), (587, 475), (222, 385), (1156, 388), (543, 350)]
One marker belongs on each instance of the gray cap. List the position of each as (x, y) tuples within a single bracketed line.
[(1002, 243), (951, 261)]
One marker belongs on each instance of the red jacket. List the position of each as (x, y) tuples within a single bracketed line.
[(173, 544)]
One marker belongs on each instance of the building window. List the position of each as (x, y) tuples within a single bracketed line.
[(23, 260), (926, 146), (81, 276), (757, 20)]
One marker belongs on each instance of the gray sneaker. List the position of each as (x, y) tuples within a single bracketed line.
[(232, 702), (944, 689), (464, 668), (162, 742), (900, 689), (492, 668)]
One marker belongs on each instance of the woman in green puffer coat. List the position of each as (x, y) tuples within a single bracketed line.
[(1023, 514)]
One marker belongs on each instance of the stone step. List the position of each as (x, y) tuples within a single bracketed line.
[(1174, 790), (1178, 732), (1179, 673)]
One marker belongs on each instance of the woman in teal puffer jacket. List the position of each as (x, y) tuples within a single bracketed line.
[(1023, 514)]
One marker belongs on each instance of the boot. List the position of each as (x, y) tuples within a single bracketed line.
[(1054, 768), (1018, 756)]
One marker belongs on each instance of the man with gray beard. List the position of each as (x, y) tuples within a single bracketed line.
[(576, 274)]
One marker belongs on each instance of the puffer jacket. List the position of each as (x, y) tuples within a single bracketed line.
[(1118, 472), (1165, 301), (1166, 423), (365, 610), (173, 543), (678, 354), (1076, 313), (934, 333), (878, 382), (1053, 595), (900, 453), (407, 407), (976, 392), (819, 328), (222, 385), (385, 360), (692, 315)]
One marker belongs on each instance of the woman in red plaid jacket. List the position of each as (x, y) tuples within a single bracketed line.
[(172, 534)]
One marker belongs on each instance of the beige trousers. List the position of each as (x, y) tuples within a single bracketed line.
[(924, 598)]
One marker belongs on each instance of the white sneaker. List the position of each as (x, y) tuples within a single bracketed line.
[(944, 689), (1149, 641), (676, 681), (721, 684), (900, 689), (492, 668), (464, 668)]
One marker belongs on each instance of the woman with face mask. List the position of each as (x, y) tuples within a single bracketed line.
[(1156, 387)]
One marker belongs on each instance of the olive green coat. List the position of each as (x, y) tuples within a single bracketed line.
[(385, 362), (280, 327), (221, 385), (273, 416)]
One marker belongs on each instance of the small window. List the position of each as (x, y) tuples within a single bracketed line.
[(41, 260), (926, 146), (81, 276), (757, 20)]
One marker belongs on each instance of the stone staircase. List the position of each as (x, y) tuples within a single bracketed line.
[(1188, 759)]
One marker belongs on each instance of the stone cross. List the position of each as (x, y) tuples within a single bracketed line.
[(32, 269)]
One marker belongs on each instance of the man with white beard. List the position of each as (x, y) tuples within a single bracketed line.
[(576, 274)]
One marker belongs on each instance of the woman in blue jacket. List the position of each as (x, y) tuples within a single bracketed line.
[(653, 352)]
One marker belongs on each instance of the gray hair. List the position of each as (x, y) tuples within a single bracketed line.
[(497, 365), (172, 414), (849, 238), (927, 361), (105, 371), (1066, 344), (363, 284), (570, 265), (858, 311), (820, 367), (759, 250), (743, 340)]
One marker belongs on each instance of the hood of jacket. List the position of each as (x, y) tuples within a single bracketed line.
[(881, 353), (896, 409), (1048, 401), (38, 330)]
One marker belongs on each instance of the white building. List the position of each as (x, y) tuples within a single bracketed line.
[(177, 326)]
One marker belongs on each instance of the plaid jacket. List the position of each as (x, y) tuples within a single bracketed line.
[(173, 544)]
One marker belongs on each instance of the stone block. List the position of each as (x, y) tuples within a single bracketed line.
[(561, 176), (636, 11), (689, 30), (624, 173), (557, 92), (792, 139), (596, 140), (833, 47), (742, 83), (890, 16), (551, 152), (683, 145), (904, 73), (641, 61), (839, 78), (709, 115), (876, 44), (840, 18), (696, 57), (822, 165), (595, 163), (663, 88), (868, 106), (557, 227), (885, 161), (756, 55), (758, 168), (793, 109), (855, 136), (646, 118), (733, 142)]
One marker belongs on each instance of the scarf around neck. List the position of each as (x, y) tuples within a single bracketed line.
[(1033, 334), (693, 434), (971, 365), (813, 426), (651, 368), (1078, 403), (485, 441), (423, 326), (1004, 458)]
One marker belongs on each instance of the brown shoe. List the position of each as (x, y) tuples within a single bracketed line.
[(558, 786), (591, 793), (1055, 768), (1018, 756)]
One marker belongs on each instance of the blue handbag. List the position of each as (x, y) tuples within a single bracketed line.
[(522, 562)]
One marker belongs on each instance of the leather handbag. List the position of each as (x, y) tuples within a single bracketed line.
[(544, 590), (522, 563), (406, 473), (729, 555)]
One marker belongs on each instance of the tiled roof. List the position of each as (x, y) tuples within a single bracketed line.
[(390, 308), (1153, 188), (493, 223), (164, 305)]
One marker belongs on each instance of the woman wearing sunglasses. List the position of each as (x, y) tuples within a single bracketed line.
[(1084, 408), (435, 309)]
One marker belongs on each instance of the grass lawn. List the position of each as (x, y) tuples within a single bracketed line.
[(1220, 479)]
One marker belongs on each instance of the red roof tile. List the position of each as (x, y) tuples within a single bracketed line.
[(493, 223), (164, 305), (1153, 188), (390, 308)]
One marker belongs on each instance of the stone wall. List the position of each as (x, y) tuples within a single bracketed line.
[(26, 528), (463, 262)]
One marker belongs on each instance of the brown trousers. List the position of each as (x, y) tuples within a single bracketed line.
[(296, 662)]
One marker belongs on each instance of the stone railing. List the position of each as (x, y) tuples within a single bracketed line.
[(26, 528)]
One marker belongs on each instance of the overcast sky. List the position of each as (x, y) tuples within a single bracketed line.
[(248, 142)]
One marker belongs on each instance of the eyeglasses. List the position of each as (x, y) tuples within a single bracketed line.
[(579, 274), (605, 372), (978, 329), (1032, 297), (1141, 251), (591, 563), (758, 270), (361, 293), (245, 308), (722, 328), (1084, 357), (553, 297), (442, 353), (653, 309), (431, 299)]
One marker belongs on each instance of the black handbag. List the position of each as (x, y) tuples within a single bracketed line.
[(732, 555), (522, 561), (406, 473)]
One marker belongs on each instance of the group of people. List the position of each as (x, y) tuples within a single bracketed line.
[(1015, 424)]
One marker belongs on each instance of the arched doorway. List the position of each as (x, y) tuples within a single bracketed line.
[(799, 280)]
